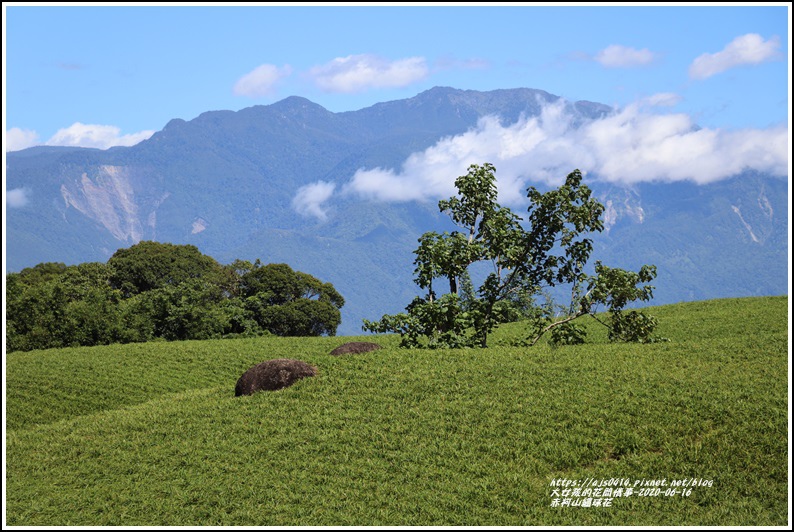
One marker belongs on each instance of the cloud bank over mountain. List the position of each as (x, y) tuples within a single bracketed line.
[(96, 136), (78, 134), (632, 145), (19, 139)]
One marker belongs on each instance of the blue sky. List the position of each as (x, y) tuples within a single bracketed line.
[(130, 69)]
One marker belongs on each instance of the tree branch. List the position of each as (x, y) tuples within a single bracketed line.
[(556, 323)]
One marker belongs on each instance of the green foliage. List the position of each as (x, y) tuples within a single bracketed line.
[(568, 334), (429, 324), (613, 288), (289, 303), (42, 272), (632, 326), (548, 249), (65, 306), (616, 288), (190, 310), (150, 265), (302, 317), (163, 291)]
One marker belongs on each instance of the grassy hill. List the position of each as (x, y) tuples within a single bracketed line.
[(151, 434)]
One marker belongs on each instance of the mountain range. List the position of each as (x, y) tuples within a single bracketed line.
[(229, 183)]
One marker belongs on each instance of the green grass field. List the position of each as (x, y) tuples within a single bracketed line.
[(151, 434)]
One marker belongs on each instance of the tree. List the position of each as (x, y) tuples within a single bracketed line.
[(150, 265), (550, 251), (61, 306), (190, 310), (42, 272), (289, 303)]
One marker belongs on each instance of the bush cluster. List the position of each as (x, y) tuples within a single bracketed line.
[(161, 291)]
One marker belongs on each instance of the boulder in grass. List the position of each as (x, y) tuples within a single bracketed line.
[(355, 347), (273, 375)]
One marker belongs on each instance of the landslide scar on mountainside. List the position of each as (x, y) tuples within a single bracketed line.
[(109, 199)]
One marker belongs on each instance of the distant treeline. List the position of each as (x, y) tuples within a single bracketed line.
[(160, 291)]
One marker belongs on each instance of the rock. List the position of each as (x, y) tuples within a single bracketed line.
[(355, 347), (273, 375)]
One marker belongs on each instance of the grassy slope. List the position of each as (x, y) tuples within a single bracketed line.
[(152, 435)]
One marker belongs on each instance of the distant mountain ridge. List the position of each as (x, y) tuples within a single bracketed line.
[(225, 181)]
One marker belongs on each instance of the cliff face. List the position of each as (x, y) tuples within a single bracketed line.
[(109, 199), (757, 217), (621, 204), (122, 200)]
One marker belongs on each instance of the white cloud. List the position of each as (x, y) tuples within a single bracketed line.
[(309, 199), (261, 81), (356, 73), (633, 146), (629, 146), (19, 139), (617, 56), (96, 136), (750, 49), (663, 99), (431, 173), (17, 197)]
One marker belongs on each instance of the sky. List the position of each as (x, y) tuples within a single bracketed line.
[(698, 91)]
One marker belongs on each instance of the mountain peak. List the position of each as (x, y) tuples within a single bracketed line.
[(250, 184), (297, 104)]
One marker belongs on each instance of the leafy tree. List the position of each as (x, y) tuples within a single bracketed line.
[(61, 306), (233, 275), (547, 249), (302, 317), (274, 284), (93, 318), (289, 303), (150, 265), (188, 311), (42, 272), (34, 313)]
